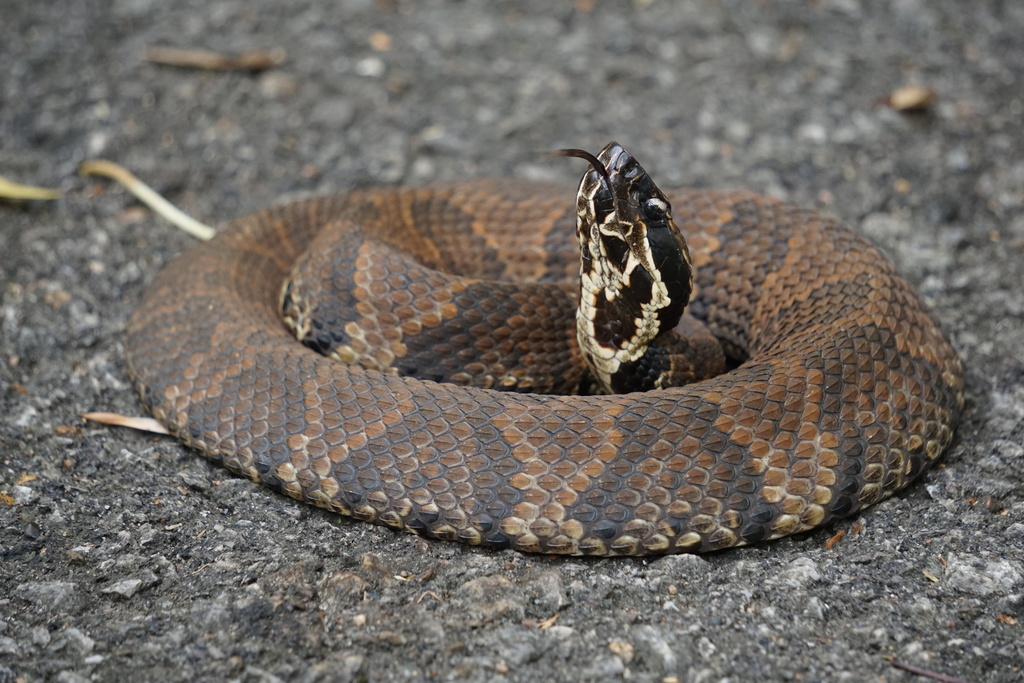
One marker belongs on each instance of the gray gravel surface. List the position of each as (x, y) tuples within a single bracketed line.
[(125, 557)]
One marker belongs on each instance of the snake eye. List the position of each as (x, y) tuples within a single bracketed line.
[(656, 209)]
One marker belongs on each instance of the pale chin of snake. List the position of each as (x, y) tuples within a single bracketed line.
[(841, 389)]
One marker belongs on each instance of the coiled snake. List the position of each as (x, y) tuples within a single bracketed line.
[(840, 390)]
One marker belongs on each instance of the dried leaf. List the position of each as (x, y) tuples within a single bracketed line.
[(12, 190), (69, 431), (380, 41), (549, 622), (625, 651), (910, 98), (147, 195), (145, 424), (834, 540)]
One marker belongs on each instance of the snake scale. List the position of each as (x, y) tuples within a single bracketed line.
[(841, 387)]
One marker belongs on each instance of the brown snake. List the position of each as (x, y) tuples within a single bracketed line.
[(844, 389)]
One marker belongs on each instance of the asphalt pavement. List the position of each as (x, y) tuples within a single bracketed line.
[(123, 556)]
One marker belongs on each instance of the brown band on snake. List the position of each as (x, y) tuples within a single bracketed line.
[(847, 390)]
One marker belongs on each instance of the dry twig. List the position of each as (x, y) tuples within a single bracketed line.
[(254, 60), (918, 671)]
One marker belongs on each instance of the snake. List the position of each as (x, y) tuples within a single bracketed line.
[(444, 360)]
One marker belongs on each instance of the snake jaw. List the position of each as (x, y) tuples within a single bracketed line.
[(635, 272)]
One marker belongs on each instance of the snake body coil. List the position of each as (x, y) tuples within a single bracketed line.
[(845, 389)]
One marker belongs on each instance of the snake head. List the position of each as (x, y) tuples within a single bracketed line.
[(635, 271)]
